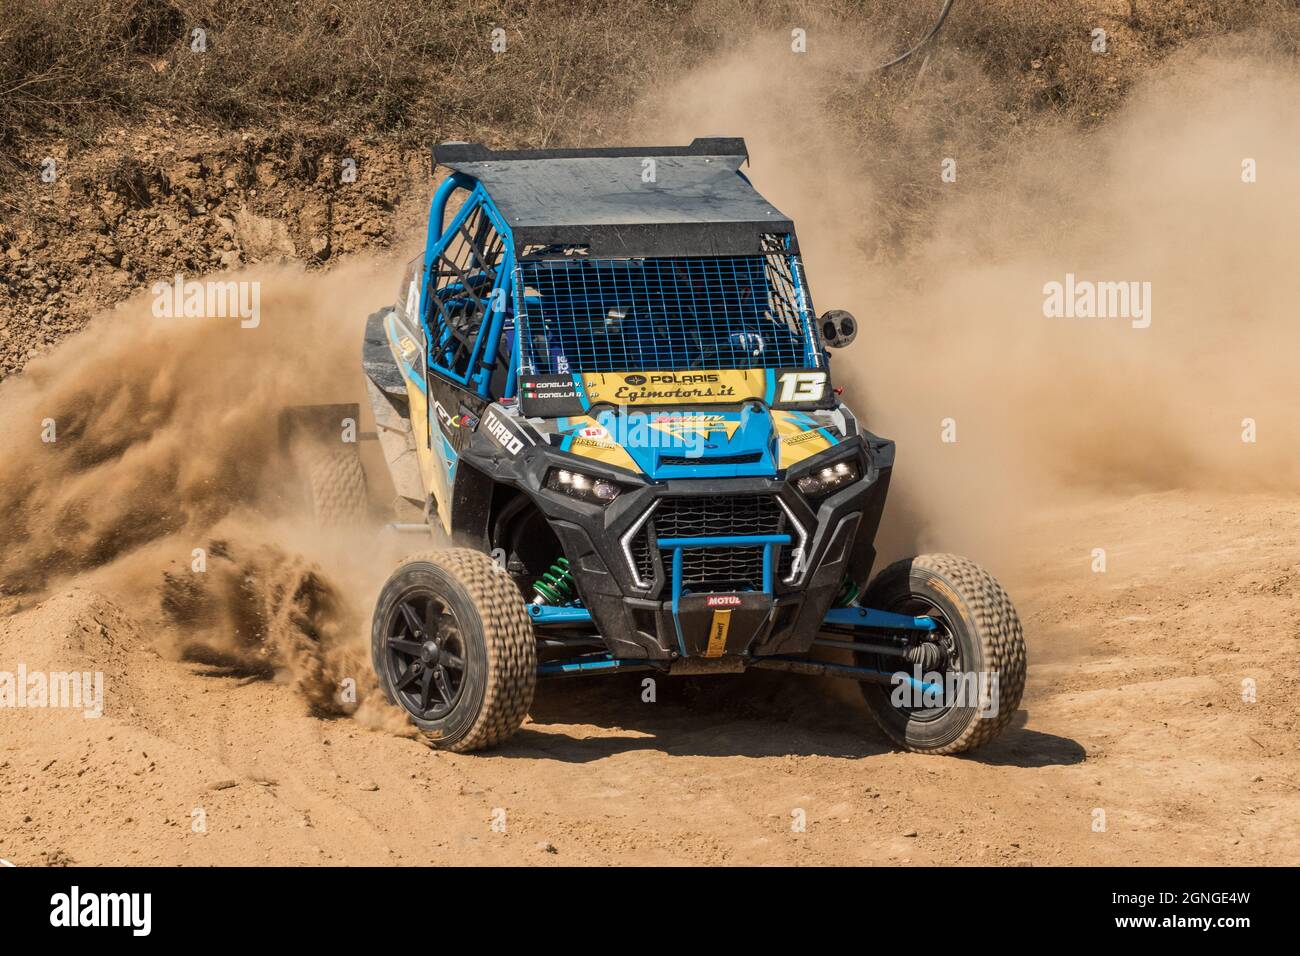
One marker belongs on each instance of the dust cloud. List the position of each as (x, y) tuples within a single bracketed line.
[(953, 330), (145, 448)]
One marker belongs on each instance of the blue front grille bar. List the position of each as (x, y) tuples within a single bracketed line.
[(678, 545)]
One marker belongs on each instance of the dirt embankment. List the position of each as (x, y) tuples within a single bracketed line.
[(169, 200)]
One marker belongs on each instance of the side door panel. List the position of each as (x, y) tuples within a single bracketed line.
[(410, 346)]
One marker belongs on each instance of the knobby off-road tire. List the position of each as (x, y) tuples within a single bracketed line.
[(979, 621), (478, 619), (337, 485)]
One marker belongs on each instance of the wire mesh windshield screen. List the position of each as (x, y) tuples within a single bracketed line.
[(619, 315)]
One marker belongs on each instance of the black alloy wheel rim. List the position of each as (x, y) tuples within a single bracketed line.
[(426, 655)]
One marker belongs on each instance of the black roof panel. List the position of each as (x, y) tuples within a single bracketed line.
[(698, 203)]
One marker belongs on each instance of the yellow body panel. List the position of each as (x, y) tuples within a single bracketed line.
[(796, 440), (594, 441), (433, 476)]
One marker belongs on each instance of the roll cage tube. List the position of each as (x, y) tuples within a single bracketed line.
[(504, 298), (483, 355)]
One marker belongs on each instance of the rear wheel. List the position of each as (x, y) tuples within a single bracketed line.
[(982, 654), (336, 484), (453, 646)]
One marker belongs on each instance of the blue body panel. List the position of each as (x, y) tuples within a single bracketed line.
[(868, 617), (702, 444), (547, 614)]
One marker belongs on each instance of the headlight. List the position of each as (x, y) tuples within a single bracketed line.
[(820, 483), (575, 484)]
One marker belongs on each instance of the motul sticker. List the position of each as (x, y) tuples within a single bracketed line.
[(724, 600)]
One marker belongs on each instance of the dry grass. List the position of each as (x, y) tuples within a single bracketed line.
[(409, 68), (414, 71)]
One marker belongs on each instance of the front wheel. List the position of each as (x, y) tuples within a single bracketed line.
[(981, 653), (453, 646)]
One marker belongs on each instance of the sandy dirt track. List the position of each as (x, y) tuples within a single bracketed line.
[(1134, 707)]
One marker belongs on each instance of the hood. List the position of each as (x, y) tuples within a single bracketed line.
[(751, 440)]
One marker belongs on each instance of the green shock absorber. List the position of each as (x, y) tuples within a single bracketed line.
[(555, 586), (849, 592)]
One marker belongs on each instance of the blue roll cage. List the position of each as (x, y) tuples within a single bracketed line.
[(505, 298), (476, 377)]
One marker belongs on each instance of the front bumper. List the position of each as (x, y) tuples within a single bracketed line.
[(711, 568)]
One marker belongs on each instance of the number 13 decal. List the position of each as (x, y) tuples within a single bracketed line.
[(802, 386)]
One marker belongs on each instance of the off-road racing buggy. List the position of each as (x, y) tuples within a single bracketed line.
[(604, 382)]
